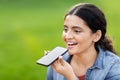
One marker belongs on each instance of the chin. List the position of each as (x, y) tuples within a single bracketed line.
[(71, 52)]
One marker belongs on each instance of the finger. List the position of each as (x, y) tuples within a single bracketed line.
[(58, 62), (55, 64), (61, 60)]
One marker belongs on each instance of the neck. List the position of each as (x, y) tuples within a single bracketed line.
[(85, 59)]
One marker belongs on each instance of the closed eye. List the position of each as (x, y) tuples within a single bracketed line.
[(65, 29), (77, 31)]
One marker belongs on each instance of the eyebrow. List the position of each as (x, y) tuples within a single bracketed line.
[(74, 27)]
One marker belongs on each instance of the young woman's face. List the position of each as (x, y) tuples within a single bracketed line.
[(77, 35)]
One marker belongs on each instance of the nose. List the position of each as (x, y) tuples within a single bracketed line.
[(69, 35)]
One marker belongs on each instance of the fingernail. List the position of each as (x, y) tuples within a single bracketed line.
[(60, 56)]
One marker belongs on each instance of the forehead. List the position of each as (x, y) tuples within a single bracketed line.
[(73, 20)]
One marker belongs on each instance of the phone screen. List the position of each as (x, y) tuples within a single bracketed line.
[(52, 56)]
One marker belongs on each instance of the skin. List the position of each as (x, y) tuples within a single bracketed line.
[(80, 42)]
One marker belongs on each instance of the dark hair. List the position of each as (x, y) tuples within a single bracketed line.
[(95, 20)]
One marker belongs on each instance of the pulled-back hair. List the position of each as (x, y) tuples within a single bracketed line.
[(95, 20)]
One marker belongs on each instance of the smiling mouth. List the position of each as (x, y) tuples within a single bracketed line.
[(71, 44)]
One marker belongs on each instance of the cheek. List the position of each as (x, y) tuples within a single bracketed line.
[(88, 40), (63, 36), (83, 39)]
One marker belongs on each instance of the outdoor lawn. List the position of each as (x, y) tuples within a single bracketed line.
[(28, 27)]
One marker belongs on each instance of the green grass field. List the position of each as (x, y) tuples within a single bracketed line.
[(28, 27)]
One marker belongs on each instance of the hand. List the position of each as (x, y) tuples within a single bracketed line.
[(64, 68)]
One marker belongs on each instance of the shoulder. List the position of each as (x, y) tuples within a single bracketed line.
[(107, 57), (109, 64), (113, 62), (112, 58)]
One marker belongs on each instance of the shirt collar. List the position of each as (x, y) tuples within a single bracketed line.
[(100, 61)]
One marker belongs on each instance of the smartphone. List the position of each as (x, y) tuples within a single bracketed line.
[(52, 56)]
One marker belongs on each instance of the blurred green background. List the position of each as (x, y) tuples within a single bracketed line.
[(28, 27)]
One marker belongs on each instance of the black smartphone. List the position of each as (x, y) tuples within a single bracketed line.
[(52, 56)]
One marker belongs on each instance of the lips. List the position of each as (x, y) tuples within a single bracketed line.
[(71, 44)]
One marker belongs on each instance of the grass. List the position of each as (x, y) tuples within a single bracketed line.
[(26, 30)]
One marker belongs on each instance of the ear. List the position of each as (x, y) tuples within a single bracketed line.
[(97, 35)]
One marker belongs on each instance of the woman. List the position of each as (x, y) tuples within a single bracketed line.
[(91, 55)]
